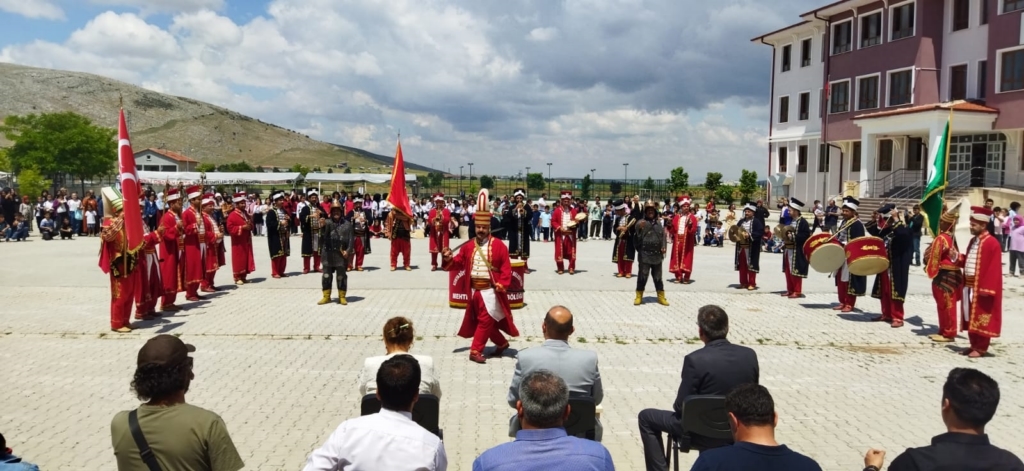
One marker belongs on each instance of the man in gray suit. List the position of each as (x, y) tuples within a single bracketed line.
[(578, 368)]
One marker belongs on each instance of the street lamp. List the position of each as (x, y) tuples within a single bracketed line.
[(460, 181), (470, 171), (549, 178), (625, 176)]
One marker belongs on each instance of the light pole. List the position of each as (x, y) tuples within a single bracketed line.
[(460, 181), (625, 177), (471, 173), (549, 178)]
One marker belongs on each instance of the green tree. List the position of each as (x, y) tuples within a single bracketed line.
[(535, 181), (302, 169), (5, 163), (330, 170), (748, 184), (615, 188), (348, 169), (648, 184), (679, 180), (435, 179), (242, 166), (32, 183), (206, 167), (60, 143), (487, 182), (259, 168), (712, 182), (723, 194), (586, 186)]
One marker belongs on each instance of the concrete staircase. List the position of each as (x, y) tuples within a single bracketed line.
[(869, 205)]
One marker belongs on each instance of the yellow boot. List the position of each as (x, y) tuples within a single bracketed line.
[(639, 298), (661, 298), (326, 299), (341, 298)]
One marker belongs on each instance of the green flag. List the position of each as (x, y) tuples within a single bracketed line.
[(931, 204)]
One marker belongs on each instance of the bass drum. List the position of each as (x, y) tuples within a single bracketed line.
[(824, 253), (866, 256), (516, 292)]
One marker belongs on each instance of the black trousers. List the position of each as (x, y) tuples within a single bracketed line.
[(653, 423), (649, 269), (341, 273)]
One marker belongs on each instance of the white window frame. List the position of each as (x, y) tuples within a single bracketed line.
[(894, 6), (789, 108), (832, 37), (999, 66), (970, 14), (781, 47), (809, 102), (977, 83), (778, 158), (878, 93), (881, 39), (949, 80), (888, 85), (849, 96), (1000, 4), (810, 54)]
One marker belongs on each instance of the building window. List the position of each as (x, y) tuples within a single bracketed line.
[(783, 157), (901, 88), (982, 79), (885, 155), (805, 53), (786, 53), (1012, 5), (784, 109), (805, 106), (1012, 76), (801, 159), (821, 101), (983, 12), (823, 160), (961, 14), (855, 158), (958, 82), (902, 18), (867, 93), (871, 30), (839, 97), (841, 37)]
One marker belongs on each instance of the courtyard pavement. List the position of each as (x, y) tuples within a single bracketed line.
[(283, 372)]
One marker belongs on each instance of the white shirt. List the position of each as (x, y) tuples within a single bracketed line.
[(481, 258), (429, 383), (387, 440), (73, 205)]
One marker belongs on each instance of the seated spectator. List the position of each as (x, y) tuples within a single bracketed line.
[(578, 368), (752, 419), (398, 338), (46, 227), (17, 231), (542, 444), (969, 401), (181, 436), (719, 234), (3, 226), (66, 231), (717, 369), (9, 462), (388, 439)]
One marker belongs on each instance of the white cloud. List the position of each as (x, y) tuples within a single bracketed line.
[(542, 34), (164, 5), (43, 9)]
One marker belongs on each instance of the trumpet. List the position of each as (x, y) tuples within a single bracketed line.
[(520, 210)]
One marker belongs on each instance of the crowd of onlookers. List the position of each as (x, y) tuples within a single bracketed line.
[(62, 215)]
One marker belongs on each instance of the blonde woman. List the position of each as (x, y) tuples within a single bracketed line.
[(398, 338)]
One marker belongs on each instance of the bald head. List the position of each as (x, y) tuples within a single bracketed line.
[(558, 323)]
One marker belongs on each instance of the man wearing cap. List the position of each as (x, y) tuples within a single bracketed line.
[(517, 221), (310, 218), (195, 243), (438, 220), (361, 219), (563, 224), (891, 285), (941, 260), (794, 263), (214, 245), (982, 300), (683, 228), (398, 228), (177, 435), (748, 250), (849, 286), (651, 245), (239, 228), (172, 247), (336, 243), (623, 250), (487, 263), (117, 261), (278, 234)]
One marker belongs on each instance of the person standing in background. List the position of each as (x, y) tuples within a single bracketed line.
[(915, 223)]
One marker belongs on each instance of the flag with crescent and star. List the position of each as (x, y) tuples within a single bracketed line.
[(398, 197), (129, 186)]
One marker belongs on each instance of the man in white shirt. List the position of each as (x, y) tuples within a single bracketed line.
[(388, 439)]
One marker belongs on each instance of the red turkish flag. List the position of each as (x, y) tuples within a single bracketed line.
[(398, 197), (129, 186)]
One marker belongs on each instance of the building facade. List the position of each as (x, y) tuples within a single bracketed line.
[(891, 74), (162, 160)]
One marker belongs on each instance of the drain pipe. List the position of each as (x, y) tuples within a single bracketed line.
[(826, 99), (771, 116)]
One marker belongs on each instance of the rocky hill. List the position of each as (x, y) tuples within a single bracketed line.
[(200, 130)]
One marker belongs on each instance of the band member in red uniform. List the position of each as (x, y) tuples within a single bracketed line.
[(623, 250), (438, 221), (683, 229), (941, 260), (213, 257), (172, 246), (239, 229), (982, 301), (309, 219), (117, 261), (794, 263), (195, 243), (361, 219), (277, 221), (518, 223), (151, 286), (486, 260), (398, 228), (563, 224), (748, 251), (849, 286)]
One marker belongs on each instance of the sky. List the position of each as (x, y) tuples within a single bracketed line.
[(505, 84)]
